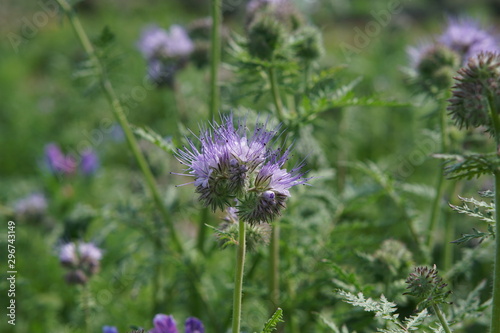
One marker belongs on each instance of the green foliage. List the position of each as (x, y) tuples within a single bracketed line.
[(469, 166), (275, 319), (480, 210)]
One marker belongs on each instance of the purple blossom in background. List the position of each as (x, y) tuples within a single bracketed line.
[(89, 163), (157, 43), (109, 329), (33, 205), (163, 324), (162, 74), (57, 162), (194, 325), (67, 254), (466, 37), (417, 53), (89, 252)]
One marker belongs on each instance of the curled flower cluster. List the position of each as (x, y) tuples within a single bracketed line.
[(166, 324), (231, 164), (67, 165), (82, 260), (425, 284), (476, 87), (165, 52)]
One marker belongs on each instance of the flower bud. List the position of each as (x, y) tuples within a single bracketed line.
[(308, 44), (265, 35), (425, 284), (477, 84)]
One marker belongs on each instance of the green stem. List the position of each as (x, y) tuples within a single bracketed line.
[(436, 206), (215, 49), (276, 94), (441, 318), (495, 315), (121, 118), (238, 278), (86, 306), (274, 280), (202, 229)]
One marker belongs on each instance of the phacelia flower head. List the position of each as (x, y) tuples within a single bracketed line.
[(466, 37), (433, 67), (32, 206), (158, 43), (194, 325), (82, 260), (164, 324), (425, 284), (89, 163), (476, 86), (57, 162), (233, 164), (282, 11)]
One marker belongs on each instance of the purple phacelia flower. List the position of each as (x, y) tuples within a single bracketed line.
[(109, 329), (231, 164), (67, 254), (57, 162), (466, 37), (89, 252), (164, 324), (157, 43), (194, 325), (33, 205), (89, 162)]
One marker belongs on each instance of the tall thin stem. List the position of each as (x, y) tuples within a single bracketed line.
[(278, 104), (238, 278), (85, 299), (215, 49), (119, 114), (436, 206), (441, 318), (274, 248), (495, 315)]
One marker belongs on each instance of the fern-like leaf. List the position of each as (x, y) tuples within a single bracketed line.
[(469, 166), (275, 319)]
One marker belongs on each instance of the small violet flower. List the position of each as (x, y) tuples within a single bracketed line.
[(109, 329), (232, 164), (194, 325), (89, 163), (57, 162), (164, 324), (82, 260)]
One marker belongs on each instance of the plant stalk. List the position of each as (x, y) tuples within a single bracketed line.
[(120, 116), (215, 48), (276, 94), (436, 206), (238, 278), (274, 280), (495, 315), (441, 318)]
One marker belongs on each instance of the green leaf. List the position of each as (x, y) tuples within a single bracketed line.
[(148, 134), (271, 324), (469, 166)]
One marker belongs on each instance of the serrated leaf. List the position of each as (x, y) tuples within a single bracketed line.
[(469, 166), (148, 134), (275, 319)]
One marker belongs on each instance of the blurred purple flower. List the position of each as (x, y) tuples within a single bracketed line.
[(417, 53), (33, 205), (164, 324), (158, 43), (57, 162), (465, 36), (194, 325), (67, 254), (109, 329), (89, 163), (89, 252)]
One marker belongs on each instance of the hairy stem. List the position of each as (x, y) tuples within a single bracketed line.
[(120, 116), (441, 318), (215, 49), (238, 278)]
